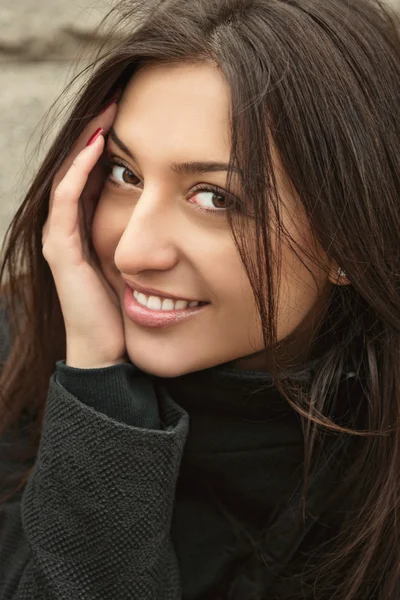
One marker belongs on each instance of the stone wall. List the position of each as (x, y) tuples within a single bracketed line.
[(41, 42)]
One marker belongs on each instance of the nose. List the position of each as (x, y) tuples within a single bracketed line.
[(148, 241)]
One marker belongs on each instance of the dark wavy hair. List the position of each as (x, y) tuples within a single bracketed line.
[(318, 81)]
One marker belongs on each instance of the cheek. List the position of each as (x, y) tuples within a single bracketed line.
[(299, 293), (223, 268), (239, 317)]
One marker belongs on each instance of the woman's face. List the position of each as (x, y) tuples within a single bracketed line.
[(150, 230)]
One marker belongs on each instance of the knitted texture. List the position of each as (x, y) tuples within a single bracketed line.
[(138, 408), (94, 519), (126, 502)]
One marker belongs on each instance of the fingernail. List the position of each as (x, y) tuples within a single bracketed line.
[(94, 136), (113, 99)]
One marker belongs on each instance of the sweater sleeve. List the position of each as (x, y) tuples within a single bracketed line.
[(96, 511)]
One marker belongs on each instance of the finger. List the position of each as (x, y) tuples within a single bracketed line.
[(103, 120), (91, 194), (63, 219)]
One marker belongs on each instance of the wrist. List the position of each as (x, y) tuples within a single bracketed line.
[(81, 355), (79, 363)]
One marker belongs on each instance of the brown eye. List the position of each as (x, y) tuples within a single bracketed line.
[(122, 175), (219, 201), (210, 200)]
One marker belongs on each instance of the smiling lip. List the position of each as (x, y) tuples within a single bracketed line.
[(155, 318), (153, 292)]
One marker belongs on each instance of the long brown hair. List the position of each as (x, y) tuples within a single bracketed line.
[(318, 80)]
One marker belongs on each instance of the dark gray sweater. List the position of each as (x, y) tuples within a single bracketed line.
[(127, 501)]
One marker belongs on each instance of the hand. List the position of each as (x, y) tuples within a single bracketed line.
[(92, 317)]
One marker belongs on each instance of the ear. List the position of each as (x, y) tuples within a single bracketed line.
[(337, 276)]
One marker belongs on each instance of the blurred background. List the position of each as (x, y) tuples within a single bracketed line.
[(43, 44)]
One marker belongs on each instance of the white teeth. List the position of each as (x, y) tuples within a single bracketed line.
[(179, 304), (167, 304), (156, 303), (141, 298)]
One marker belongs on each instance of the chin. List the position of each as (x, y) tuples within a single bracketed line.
[(167, 364), (173, 356), (159, 363), (159, 369)]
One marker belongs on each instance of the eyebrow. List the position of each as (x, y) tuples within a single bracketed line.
[(182, 168)]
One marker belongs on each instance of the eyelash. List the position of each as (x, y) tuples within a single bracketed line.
[(110, 163)]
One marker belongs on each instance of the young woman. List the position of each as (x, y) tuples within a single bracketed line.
[(200, 392)]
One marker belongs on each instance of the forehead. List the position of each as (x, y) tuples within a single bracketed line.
[(183, 109)]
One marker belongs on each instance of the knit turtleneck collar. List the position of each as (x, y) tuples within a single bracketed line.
[(243, 458), (242, 464), (226, 388)]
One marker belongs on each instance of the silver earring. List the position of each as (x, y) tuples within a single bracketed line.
[(341, 273)]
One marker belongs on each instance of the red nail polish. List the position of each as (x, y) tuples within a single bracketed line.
[(94, 136)]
